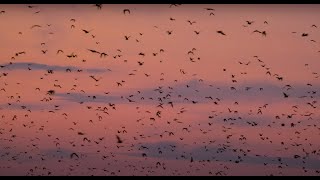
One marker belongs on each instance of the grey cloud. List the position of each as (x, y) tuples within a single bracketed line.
[(84, 97), (37, 66), (271, 93), (218, 153), (28, 106), (224, 91)]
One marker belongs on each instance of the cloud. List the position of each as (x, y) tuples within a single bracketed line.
[(85, 97), (220, 152), (61, 152), (223, 90), (28, 106), (48, 154), (37, 66), (271, 93)]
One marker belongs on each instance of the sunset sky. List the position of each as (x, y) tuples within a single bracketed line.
[(182, 103)]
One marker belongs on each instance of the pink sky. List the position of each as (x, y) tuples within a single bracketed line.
[(282, 51)]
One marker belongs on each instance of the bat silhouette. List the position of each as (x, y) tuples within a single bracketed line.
[(99, 6), (34, 26), (86, 31), (191, 22), (119, 141), (221, 32), (127, 37), (126, 11), (249, 22)]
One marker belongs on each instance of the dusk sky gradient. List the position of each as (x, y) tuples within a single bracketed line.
[(37, 137)]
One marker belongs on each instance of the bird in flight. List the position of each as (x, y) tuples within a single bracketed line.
[(74, 155), (103, 55), (119, 141), (250, 22), (127, 37), (94, 51), (23, 52), (95, 78), (34, 26), (176, 5), (169, 32), (256, 31), (221, 32), (31, 7), (191, 22), (264, 33), (99, 6), (51, 92), (126, 11), (86, 31)]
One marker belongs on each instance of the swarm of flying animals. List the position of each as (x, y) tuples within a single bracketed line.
[(69, 118)]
